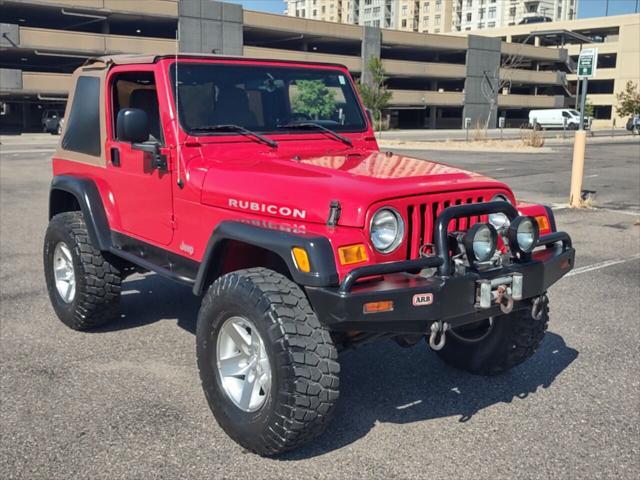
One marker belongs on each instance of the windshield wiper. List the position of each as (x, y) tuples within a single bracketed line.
[(236, 128), (320, 127)]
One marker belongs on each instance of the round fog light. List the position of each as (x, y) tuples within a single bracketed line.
[(480, 242), (523, 234)]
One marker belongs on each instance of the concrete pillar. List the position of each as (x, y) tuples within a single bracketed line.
[(433, 115), (209, 26), (371, 47), (25, 117), (433, 111), (482, 82), (10, 79), (9, 35)]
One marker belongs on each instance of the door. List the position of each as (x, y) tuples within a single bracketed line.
[(142, 193)]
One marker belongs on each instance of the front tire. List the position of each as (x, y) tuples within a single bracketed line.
[(83, 286), (270, 314), (513, 338)]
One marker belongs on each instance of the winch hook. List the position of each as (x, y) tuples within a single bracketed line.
[(504, 299), (438, 328)]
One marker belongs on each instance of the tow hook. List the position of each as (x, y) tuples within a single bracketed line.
[(438, 328), (537, 307)]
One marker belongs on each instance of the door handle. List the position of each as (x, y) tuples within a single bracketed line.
[(115, 156)]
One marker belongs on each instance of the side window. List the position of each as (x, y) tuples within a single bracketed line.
[(82, 133), (565, 114), (137, 90)]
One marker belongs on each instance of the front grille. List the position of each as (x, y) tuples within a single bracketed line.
[(422, 212)]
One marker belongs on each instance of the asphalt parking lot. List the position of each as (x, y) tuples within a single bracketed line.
[(125, 401)]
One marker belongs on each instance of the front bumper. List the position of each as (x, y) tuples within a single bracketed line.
[(451, 297)]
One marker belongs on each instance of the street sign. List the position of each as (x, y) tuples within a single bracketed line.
[(587, 63), (501, 121)]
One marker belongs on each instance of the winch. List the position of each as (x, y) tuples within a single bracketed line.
[(501, 291)]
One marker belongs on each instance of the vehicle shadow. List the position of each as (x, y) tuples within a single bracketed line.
[(384, 383), (380, 382), (149, 299)]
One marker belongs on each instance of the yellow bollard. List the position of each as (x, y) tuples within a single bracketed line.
[(577, 169)]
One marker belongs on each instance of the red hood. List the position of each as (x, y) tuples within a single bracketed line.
[(303, 188)]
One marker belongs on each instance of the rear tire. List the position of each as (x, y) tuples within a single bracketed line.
[(298, 400), (93, 292), (513, 339)]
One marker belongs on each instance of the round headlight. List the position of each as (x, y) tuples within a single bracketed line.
[(499, 220), (523, 234), (480, 242), (387, 230)]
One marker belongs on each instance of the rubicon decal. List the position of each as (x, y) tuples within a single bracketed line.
[(422, 299), (271, 209)]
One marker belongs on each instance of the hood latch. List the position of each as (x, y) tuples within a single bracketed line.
[(334, 213)]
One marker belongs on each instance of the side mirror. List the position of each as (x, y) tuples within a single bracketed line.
[(132, 125)]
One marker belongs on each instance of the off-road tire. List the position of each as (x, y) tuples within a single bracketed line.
[(98, 281), (513, 339), (303, 359)]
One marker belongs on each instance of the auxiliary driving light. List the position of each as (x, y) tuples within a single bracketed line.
[(480, 242), (523, 234)]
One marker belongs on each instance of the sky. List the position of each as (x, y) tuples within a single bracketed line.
[(597, 8), (271, 6), (586, 9)]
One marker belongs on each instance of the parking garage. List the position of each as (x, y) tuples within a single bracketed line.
[(433, 81)]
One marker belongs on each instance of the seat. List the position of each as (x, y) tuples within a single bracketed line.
[(147, 100), (232, 106)]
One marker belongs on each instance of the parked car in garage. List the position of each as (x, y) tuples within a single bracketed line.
[(51, 122), (633, 124)]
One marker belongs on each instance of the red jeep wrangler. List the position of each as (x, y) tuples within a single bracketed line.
[(260, 184)]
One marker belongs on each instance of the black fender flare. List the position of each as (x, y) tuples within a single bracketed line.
[(88, 197), (323, 268)]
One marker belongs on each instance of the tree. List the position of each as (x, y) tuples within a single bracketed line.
[(314, 99), (499, 79), (628, 100), (374, 93), (589, 109)]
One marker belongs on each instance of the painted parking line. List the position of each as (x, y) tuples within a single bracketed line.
[(603, 264), (7, 152)]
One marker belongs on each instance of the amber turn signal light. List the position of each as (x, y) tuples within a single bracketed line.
[(352, 254), (378, 307), (543, 223), (301, 258)]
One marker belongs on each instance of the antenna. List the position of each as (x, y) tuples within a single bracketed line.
[(180, 182)]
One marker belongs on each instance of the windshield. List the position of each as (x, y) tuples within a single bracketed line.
[(264, 98), (574, 113)]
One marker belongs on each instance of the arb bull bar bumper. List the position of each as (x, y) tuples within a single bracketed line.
[(418, 301)]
